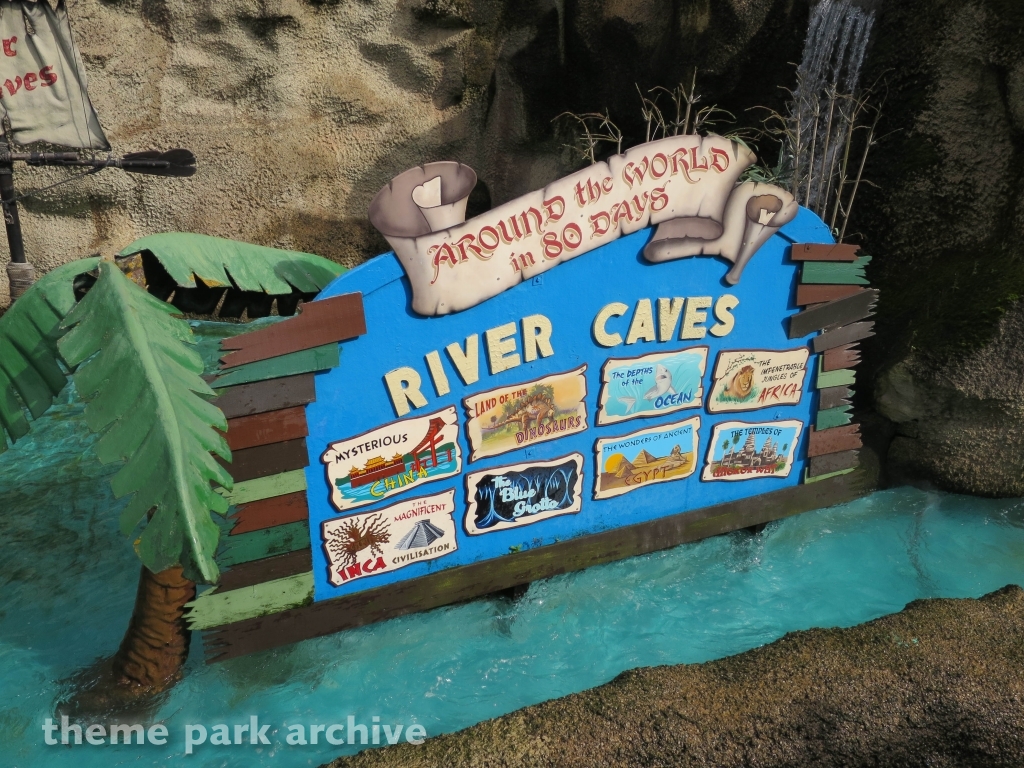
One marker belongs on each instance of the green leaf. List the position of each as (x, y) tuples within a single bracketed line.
[(141, 379), (186, 256), (30, 375)]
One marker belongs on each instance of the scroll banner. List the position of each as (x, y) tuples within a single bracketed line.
[(685, 184), (42, 78)]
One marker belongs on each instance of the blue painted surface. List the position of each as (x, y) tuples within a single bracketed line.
[(353, 398)]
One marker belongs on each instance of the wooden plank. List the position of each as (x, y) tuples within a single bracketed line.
[(823, 252), (214, 608), (819, 294), (318, 323), (306, 361), (266, 487), (832, 397), (266, 460), (832, 462), (266, 513), (467, 582), (829, 476), (846, 356), (267, 569), (265, 543), (833, 440), (832, 272), (269, 395), (833, 314), (833, 417), (842, 336), (265, 428), (841, 378)]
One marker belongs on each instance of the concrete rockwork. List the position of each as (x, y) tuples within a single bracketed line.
[(939, 684)]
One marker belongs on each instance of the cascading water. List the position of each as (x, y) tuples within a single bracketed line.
[(825, 102)]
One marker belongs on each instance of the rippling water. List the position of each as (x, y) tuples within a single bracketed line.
[(68, 582)]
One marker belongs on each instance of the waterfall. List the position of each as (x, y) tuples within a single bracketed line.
[(824, 106)]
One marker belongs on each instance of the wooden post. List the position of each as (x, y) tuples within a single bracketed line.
[(20, 273)]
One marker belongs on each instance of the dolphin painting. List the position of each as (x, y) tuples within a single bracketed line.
[(662, 383)]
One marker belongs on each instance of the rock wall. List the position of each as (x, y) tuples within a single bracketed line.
[(300, 110), (946, 229)]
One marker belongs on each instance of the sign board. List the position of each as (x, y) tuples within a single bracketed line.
[(499, 404)]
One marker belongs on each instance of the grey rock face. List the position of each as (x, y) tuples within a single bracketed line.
[(300, 110)]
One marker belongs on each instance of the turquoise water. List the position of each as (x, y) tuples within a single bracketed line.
[(68, 582)]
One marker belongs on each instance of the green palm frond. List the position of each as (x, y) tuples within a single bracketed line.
[(30, 374), (141, 379), (258, 268)]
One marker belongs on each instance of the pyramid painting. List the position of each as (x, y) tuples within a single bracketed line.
[(423, 534), (669, 454)]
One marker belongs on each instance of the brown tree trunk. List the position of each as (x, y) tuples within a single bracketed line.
[(155, 646)]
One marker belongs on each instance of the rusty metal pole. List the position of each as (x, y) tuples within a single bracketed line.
[(20, 273)]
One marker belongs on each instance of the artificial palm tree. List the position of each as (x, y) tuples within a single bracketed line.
[(132, 358)]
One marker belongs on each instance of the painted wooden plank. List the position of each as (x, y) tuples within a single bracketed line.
[(807, 295), (305, 361), (263, 396), (266, 460), (470, 581), (823, 252), (833, 440), (832, 272), (832, 462), (267, 569), (829, 476), (318, 323), (266, 513), (833, 314), (833, 417), (265, 428), (264, 543), (214, 608), (832, 397), (842, 336), (266, 487), (846, 356), (841, 378)]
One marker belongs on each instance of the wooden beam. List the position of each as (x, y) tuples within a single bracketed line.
[(833, 313), (832, 462), (266, 460), (260, 544), (266, 487), (833, 440), (266, 428), (819, 294), (832, 397), (823, 252), (844, 377), (269, 395), (215, 607), (470, 581), (266, 513), (843, 336), (318, 323), (267, 569), (831, 272), (306, 361), (833, 417), (846, 356)]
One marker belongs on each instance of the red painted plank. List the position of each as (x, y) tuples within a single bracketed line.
[(318, 323), (842, 336), (819, 294), (266, 460), (263, 396), (833, 440), (836, 359), (266, 428), (267, 569), (266, 513), (824, 252)]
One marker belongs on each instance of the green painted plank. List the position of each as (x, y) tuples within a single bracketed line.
[(215, 609), (266, 487), (833, 417), (835, 272), (305, 361), (844, 377), (826, 477), (264, 543)]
